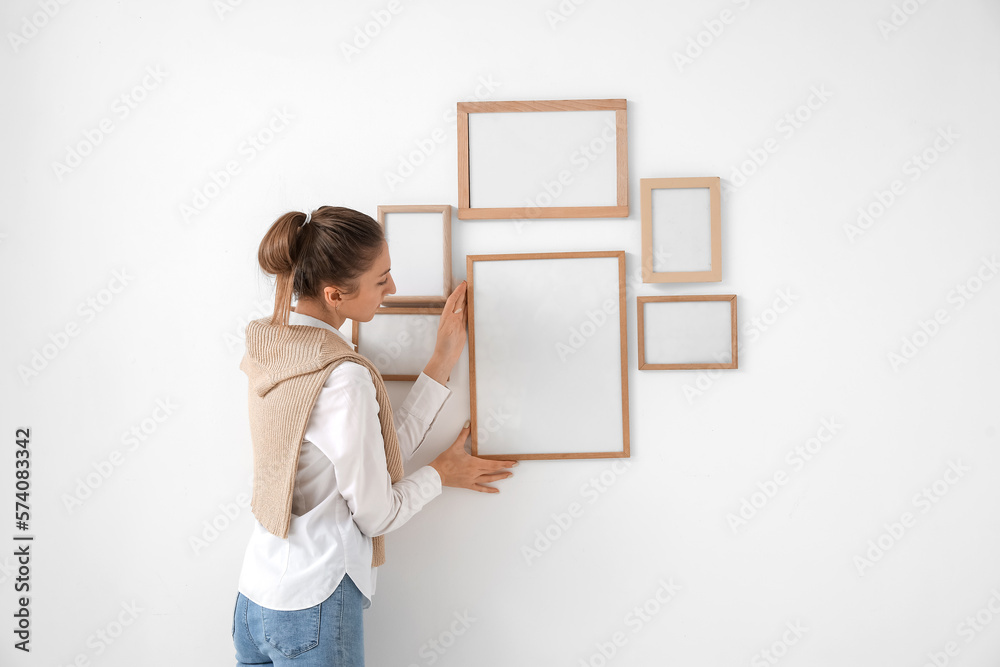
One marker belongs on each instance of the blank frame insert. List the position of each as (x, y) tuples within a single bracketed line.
[(548, 362), (399, 341), (419, 238), (542, 159), (681, 229), (687, 332)]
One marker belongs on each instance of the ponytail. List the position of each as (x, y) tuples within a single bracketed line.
[(334, 248)]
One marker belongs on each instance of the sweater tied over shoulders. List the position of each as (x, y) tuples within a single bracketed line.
[(286, 366)]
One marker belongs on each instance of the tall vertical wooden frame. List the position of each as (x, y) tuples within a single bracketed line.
[(646, 187), (466, 210), (445, 211), (523, 348), (641, 326)]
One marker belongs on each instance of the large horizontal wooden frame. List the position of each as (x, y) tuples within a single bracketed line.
[(554, 183), (711, 232), (410, 258), (548, 357), (722, 340)]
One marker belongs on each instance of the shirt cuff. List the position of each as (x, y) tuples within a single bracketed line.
[(428, 482), (425, 398)]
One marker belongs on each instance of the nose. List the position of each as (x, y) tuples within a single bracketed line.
[(391, 285)]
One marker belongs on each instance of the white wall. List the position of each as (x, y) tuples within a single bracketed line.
[(167, 334)]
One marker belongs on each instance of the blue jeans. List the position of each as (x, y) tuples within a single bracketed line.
[(328, 635)]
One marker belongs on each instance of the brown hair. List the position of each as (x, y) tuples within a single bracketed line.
[(334, 248)]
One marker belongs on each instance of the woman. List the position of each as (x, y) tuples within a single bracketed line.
[(327, 448)]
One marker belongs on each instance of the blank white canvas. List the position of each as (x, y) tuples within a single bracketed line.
[(688, 332), (682, 229), (398, 344), (416, 252), (515, 159), (547, 356)]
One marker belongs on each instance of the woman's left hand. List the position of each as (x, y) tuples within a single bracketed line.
[(451, 336)]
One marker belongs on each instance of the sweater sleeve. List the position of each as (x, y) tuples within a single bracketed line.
[(345, 426)]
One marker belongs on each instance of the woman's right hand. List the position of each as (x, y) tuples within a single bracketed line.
[(459, 469)]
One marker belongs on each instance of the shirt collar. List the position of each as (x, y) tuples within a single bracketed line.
[(310, 321)]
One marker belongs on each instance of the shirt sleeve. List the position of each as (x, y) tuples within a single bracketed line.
[(415, 416), (345, 426)]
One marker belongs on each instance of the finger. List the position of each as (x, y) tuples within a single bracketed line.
[(456, 306), (452, 303), (463, 435), (493, 477), (484, 489), (489, 464), (495, 470)]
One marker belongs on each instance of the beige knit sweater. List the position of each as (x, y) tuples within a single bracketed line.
[(287, 366)]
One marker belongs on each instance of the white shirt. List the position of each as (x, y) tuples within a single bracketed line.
[(343, 495)]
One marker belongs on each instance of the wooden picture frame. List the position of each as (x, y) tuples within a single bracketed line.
[(681, 334), (547, 179), (548, 355), (407, 267), (388, 349), (705, 235)]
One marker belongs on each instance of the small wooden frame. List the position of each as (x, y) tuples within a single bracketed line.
[(410, 259), (678, 333), (387, 351), (548, 355), (697, 243), (577, 155)]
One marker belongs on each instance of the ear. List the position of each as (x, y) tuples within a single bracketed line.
[(332, 297)]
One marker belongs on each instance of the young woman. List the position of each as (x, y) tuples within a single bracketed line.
[(328, 447)]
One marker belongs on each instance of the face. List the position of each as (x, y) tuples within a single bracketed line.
[(373, 285)]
